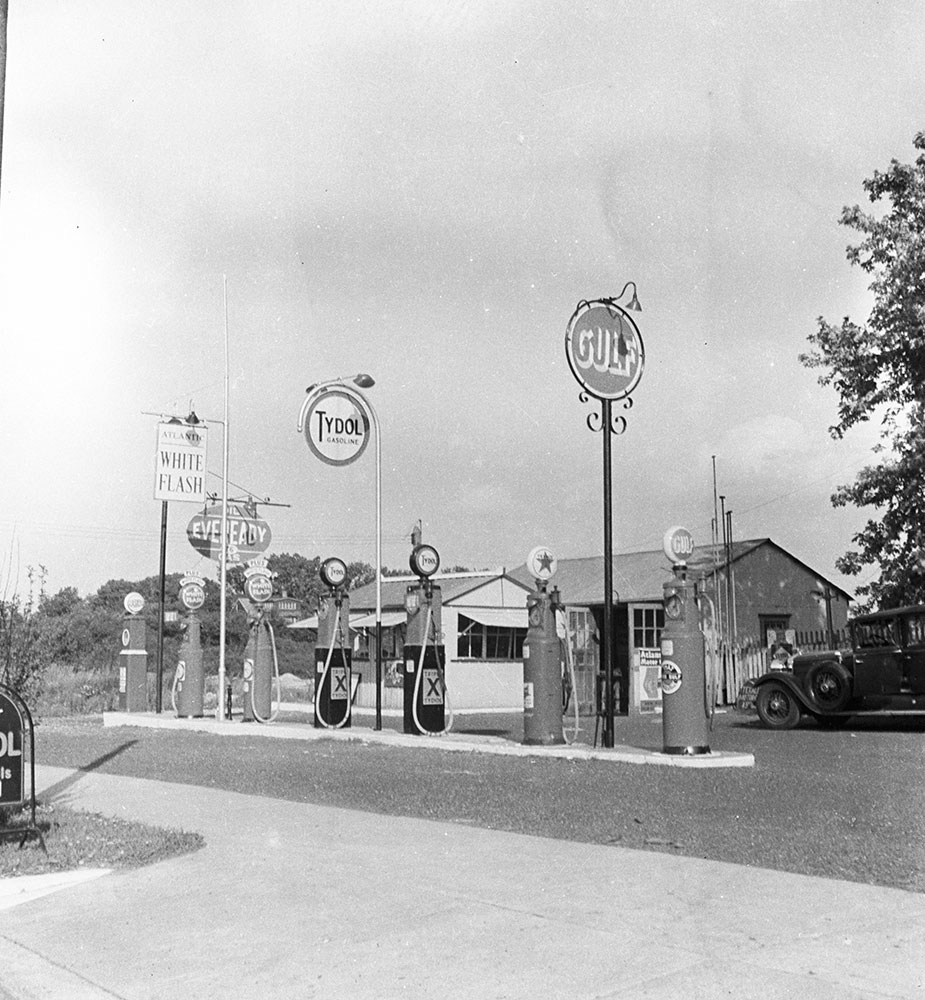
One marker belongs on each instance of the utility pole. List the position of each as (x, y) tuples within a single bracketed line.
[(4, 9)]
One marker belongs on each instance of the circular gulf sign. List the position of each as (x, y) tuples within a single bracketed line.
[(425, 560), (604, 350), (333, 571), (133, 603), (678, 544), (337, 428), (541, 563)]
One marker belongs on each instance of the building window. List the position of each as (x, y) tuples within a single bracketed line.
[(647, 627), (778, 624), (583, 634), (476, 641)]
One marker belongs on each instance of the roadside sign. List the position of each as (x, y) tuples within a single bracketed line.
[(336, 428), (247, 536), (180, 469), (12, 727), (604, 350)]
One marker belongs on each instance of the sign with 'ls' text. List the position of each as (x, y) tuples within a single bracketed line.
[(180, 472)]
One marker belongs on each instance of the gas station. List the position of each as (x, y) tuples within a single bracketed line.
[(606, 355)]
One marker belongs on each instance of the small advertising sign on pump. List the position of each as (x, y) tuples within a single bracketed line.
[(258, 581)]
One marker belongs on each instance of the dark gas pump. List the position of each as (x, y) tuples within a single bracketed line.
[(333, 676), (424, 678), (261, 666), (133, 657), (685, 720), (189, 679), (543, 666)]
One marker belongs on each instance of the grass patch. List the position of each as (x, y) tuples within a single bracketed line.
[(77, 840)]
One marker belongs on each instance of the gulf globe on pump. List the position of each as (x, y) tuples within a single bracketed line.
[(678, 544), (133, 603)]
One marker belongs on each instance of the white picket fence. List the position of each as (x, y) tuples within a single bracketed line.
[(729, 666)]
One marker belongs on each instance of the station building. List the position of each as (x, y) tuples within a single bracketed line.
[(761, 594)]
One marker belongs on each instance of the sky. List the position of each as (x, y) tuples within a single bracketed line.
[(423, 191)]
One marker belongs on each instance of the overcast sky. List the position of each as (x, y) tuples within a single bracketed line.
[(423, 190)]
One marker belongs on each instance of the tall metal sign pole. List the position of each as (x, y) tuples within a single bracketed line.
[(4, 8), (338, 435), (605, 352)]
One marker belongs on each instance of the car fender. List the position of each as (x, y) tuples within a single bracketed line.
[(785, 679)]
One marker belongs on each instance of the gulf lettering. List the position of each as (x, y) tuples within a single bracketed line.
[(606, 350), (683, 545)]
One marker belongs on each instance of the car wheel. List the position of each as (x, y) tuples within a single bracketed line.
[(777, 707), (829, 687)]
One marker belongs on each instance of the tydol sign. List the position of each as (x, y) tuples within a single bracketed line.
[(247, 535), (12, 726), (336, 428)]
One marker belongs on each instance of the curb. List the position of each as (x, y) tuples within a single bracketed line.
[(466, 744)]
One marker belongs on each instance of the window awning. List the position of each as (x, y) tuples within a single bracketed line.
[(312, 622), (499, 617), (389, 620)]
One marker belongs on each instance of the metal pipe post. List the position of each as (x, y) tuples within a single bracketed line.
[(607, 645), (159, 673)]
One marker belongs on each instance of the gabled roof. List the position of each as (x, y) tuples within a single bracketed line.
[(640, 576), (454, 586)]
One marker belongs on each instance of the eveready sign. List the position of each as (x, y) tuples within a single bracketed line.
[(245, 536)]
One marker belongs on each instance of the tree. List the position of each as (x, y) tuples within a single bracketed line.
[(878, 370)]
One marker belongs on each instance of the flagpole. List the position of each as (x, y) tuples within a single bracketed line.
[(223, 557)]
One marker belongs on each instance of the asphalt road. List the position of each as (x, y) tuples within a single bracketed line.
[(847, 803)]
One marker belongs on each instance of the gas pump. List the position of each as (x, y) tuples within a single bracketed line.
[(333, 681), (685, 719), (424, 684), (189, 679), (542, 656), (261, 665), (133, 657)]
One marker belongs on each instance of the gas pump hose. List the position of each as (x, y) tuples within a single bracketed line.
[(571, 669), (279, 697), (320, 684), (179, 675), (709, 694), (419, 674)]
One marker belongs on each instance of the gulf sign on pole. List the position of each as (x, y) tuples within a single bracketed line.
[(604, 350), (180, 472)]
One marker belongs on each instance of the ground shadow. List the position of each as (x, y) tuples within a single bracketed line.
[(57, 790)]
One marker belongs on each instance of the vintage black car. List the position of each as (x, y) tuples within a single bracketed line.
[(883, 673)]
